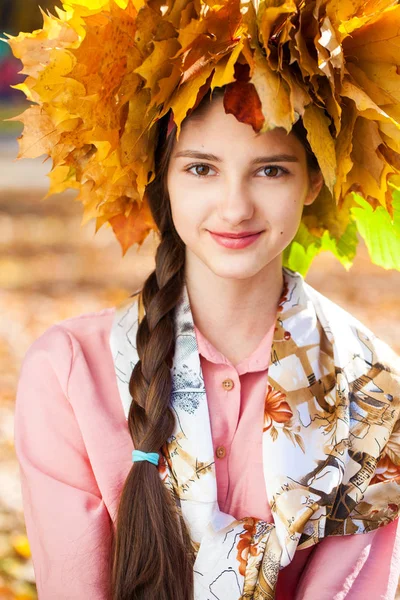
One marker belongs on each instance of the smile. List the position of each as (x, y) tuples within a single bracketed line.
[(235, 243)]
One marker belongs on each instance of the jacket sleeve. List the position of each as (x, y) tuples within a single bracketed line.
[(68, 525), (350, 567)]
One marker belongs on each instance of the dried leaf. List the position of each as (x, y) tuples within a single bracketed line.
[(373, 79), (364, 103), (317, 125), (243, 101), (225, 68), (39, 134), (380, 40), (186, 98), (392, 157), (344, 147), (370, 170), (349, 15), (134, 228)]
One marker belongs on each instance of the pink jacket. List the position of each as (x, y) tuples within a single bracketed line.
[(74, 451)]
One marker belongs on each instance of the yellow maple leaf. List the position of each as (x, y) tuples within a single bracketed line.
[(134, 228), (41, 134), (317, 125)]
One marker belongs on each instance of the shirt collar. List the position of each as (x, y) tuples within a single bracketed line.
[(257, 361)]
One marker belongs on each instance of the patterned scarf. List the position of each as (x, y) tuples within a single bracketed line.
[(331, 415)]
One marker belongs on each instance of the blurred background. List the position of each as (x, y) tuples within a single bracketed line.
[(51, 268)]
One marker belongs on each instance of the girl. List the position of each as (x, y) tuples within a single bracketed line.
[(258, 415), (68, 412)]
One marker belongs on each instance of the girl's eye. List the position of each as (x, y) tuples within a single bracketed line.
[(274, 170), (195, 167)]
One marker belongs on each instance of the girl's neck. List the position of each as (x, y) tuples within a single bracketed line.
[(235, 314)]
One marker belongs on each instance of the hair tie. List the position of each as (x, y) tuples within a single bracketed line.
[(152, 457)]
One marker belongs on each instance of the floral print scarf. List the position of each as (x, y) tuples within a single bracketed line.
[(331, 422)]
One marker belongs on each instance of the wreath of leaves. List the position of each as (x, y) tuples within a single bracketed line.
[(100, 73)]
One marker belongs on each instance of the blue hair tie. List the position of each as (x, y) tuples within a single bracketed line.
[(152, 457)]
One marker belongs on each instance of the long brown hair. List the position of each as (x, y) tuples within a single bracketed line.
[(152, 554)]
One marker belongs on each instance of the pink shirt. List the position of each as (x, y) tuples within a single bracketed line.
[(74, 452), (237, 417)]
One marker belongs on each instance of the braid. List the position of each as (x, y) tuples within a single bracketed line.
[(152, 554), (151, 420)]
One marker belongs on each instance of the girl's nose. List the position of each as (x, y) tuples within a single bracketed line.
[(235, 204)]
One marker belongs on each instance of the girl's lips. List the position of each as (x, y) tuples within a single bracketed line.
[(235, 243)]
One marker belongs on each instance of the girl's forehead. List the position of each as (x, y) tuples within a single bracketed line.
[(226, 140)]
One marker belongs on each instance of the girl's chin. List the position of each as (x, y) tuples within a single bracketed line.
[(245, 270)]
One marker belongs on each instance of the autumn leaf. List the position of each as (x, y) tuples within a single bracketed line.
[(317, 125), (61, 178), (182, 101), (243, 101), (134, 228), (379, 41), (39, 135), (370, 171), (344, 148), (370, 76), (157, 64), (365, 105), (225, 68), (272, 18), (349, 15), (34, 48)]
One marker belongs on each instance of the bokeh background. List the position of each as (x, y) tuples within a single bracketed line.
[(51, 268)]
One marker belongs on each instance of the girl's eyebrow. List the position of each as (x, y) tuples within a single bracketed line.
[(255, 161)]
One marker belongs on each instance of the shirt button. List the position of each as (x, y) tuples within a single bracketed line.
[(227, 384), (221, 452)]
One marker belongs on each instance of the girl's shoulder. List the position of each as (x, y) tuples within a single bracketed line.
[(333, 310), (83, 327), (62, 344), (89, 326), (334, 318), (86, 324), (349, 333)]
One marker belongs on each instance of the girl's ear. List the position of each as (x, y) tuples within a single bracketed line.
[(316, 183)]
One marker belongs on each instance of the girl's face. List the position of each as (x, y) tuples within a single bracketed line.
[(223, 177)]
